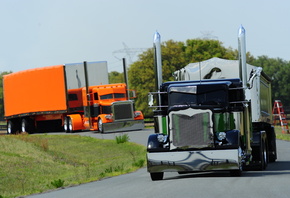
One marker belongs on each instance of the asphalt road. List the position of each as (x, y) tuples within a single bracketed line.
[(273, 182)]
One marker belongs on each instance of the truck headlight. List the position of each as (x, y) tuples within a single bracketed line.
[(221, 136), (108, 116), (136, 114), (161, 138)]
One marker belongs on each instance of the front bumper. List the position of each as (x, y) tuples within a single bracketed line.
[(123, 126), (193, 161)]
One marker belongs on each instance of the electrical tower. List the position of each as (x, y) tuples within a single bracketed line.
[(130, 53), (207, 35)]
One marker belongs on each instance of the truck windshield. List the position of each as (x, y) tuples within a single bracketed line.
[(111, 96), (119, 95), (107, 96), (216, 97)]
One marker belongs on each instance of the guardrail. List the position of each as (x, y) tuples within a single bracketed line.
[(3, 126)]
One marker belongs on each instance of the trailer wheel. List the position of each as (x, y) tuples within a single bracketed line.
[(24, 126), (263, 156), (100, 126), (156, 176), (273, 154), (11, 128), (65, 125), (68, 127), (27, 125)]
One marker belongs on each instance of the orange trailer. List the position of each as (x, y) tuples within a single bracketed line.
[(67, 97)]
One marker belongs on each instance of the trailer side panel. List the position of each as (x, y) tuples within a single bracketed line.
[(35, 91)]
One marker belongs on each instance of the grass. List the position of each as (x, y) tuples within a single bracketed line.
[(122, 138), (280, 135), (36, 163)]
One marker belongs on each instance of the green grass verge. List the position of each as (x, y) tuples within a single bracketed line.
[(36, 163), (280, 135)]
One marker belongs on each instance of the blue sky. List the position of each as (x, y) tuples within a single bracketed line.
[(36, 33)]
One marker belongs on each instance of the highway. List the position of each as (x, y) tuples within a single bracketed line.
[(273, 182)]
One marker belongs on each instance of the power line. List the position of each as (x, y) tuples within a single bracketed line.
[(130, 53)]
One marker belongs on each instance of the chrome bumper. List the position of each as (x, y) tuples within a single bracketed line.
[(123, 126), (193, 161)]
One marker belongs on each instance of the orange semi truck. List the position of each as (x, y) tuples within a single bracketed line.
[(70, 97)]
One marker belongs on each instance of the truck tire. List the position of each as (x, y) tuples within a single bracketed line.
[(65, 125), (11, 127), (27, 125), (68, 127), (273, 154), (100, 126), (156, 176), (70, 124), (264, 156), (236, 173)]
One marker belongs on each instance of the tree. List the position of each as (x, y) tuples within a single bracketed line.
[(1, 93), (116, 77), (279, 71)]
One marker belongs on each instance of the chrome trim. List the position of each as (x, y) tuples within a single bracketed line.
[(193, 161), (123, 126)]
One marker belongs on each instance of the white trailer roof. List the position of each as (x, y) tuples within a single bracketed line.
[(214, 68)]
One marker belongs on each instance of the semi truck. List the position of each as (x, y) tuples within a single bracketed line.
[(69, 97), (216, 116)]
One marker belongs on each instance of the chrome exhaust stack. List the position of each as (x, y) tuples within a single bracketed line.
[(245, 127), (242, 56), (157, 60)]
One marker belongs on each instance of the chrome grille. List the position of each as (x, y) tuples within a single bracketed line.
[(191, 131), (123, 111)]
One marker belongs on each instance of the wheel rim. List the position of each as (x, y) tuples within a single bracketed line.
[(100, 125), (265, 155), (9, 126), (65, 125), (70, 126), (23, 126)]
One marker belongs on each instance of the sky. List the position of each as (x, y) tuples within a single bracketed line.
[(37, 33)]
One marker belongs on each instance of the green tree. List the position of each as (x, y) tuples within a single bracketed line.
[(279, 72), (1, 93), (175, 55), (200, 50), (116, 77)]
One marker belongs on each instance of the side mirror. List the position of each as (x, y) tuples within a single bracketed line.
[(150, 99), (132, 94)]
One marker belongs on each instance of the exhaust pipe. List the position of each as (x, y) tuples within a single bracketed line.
[(160, 120), (246, 120), (157, 61), (242, 56)]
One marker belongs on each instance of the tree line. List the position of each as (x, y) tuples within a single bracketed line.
[(176, 55)]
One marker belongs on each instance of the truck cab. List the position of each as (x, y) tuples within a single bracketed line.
[(199, 117), (104, 108)]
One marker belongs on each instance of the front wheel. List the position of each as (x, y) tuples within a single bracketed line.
[(238, 172), (156, 176), (100, 126)]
